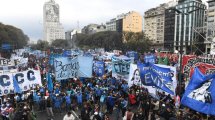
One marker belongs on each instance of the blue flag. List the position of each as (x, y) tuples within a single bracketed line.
[(99, 68), (17, 89), (49, 82), (149, 59), (200, 93)]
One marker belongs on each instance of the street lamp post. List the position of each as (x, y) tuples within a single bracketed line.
[(181, 46)]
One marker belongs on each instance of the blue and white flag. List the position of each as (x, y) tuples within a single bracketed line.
[(49, 82), (149, 59), (200, 93), (132, 54), (67, 53), (66, 68), (99, 68), (17, 89), (160, 77)]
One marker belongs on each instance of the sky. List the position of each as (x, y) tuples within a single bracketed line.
[(28, 14)]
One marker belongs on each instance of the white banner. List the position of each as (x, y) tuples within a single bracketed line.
[(6, 62), (25, 79), (134, 78)]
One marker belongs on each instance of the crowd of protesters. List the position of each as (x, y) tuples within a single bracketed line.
[(96, 98)]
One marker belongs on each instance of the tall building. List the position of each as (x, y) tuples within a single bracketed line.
[(210, 43), (52, 28), (169, 29), (129, 22), (190, 18), (154, 20), (169, 26), (154, 25), (70, 33)]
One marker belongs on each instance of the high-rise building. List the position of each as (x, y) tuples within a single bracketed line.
[(154, 25), (210, 43), (190, 18), (169, 29), (52, 28), (70, 33), (129, 22)]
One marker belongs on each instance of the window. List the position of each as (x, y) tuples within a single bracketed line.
[(211, 4)]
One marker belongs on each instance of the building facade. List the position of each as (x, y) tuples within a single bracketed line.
[(129, 22), (52, 28), (169, 29), (210, 43), (70, 33), (154, 21), (93, 28), (190, 18)]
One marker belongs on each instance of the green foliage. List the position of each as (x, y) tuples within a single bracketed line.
[(109, 40), (136, 42), (12, 35), (60, 43), (41, 45)]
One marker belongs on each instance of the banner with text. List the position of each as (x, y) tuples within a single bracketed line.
[(99, 68), (25, 79), (66, 68), (134, 79), (120, 68), (153, 75), (149, 59), (205, 65), (6, 62)]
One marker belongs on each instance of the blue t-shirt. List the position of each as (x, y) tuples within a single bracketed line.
[(57, 91), (79, 98), (57, 102), (68, 99)]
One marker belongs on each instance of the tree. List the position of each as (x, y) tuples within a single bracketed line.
[(41, 45), (60, 43), (108, 39), (137, 42), (13, 36)]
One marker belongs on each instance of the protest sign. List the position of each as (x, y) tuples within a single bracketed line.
[(152, 75), (121, 67), (205, 65), (25, 79), (66, 68), (6, 62), (173, 73), (134, 78), (132, 54), (149, 59), (99, 68)]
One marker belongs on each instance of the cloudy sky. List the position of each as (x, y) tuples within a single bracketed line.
[(28, 14)]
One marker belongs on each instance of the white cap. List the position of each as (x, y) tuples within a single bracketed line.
[(96, 113)]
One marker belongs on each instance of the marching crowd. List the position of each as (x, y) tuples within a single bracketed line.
[(97, 98)]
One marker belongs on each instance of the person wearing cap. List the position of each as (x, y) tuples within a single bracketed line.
[(69, 116)]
